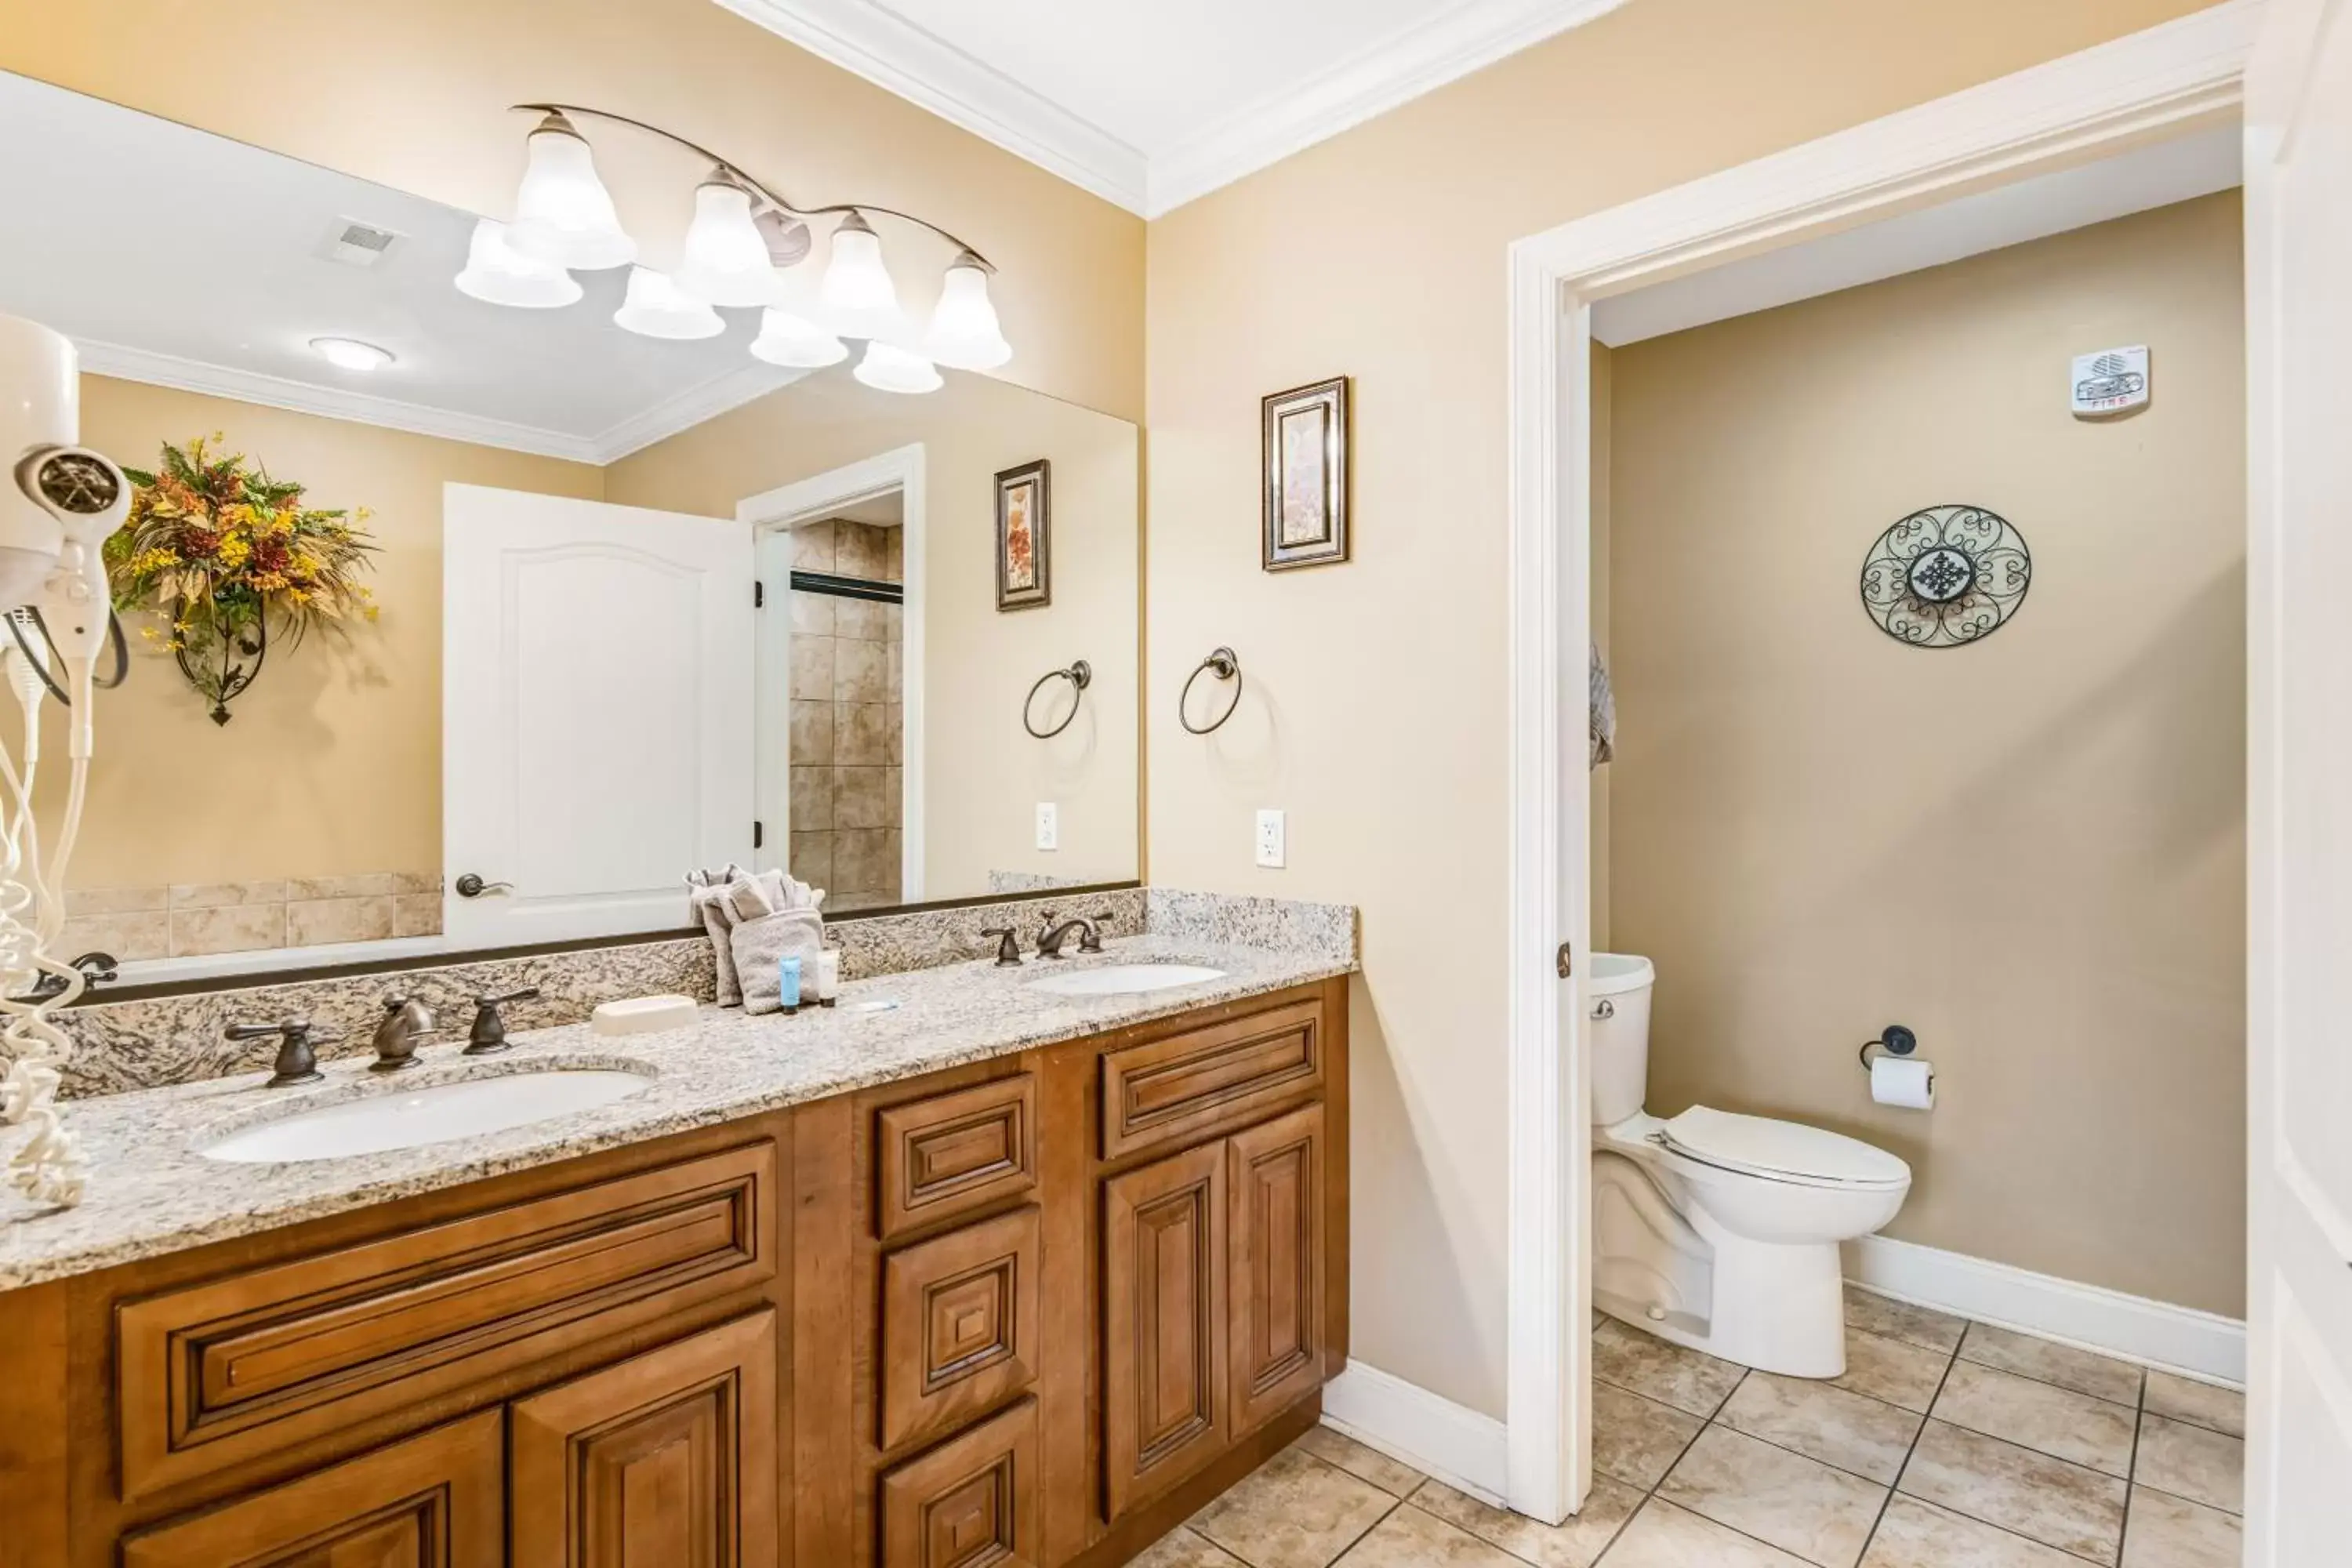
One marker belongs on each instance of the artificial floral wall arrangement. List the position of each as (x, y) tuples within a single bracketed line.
[(229, 558)]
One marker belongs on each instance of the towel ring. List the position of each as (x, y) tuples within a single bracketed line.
[(1226, 666), (1080, 675)]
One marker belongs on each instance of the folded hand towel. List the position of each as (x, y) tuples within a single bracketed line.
[(758, 943), (707, 894)]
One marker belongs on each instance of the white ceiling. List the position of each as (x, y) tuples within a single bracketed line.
[(1150, 104), (175, 257), (2147, 177)]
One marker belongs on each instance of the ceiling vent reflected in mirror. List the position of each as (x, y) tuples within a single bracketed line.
[(356, 244)]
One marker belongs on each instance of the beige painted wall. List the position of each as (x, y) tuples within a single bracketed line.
[(985, 775), (415, 95), (2031, 850), (1605, 776), (330, 765), (1376, 714)]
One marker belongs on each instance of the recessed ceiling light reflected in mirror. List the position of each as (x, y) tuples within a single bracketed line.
[(350, 353)]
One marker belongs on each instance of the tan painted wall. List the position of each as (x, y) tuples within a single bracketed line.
[(1604, 777), (1377, 712), (2031, 850), (984, 774), (415, 95), (330, 765)]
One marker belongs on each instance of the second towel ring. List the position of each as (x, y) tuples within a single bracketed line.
[(1225, 665), (1080, 675)]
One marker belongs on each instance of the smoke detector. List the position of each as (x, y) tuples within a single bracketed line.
[(356, 244)]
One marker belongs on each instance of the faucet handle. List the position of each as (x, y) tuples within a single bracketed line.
[(1008, 946), (489, 1031), (298, 1059)]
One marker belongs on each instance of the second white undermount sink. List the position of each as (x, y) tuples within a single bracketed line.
[(433, 1113), (1123, 979)]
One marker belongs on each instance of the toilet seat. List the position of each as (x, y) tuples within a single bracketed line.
[(1781, 1151)]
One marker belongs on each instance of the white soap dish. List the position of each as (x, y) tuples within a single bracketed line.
[(642, 1015)]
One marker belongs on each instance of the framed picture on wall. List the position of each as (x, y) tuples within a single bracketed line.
[(1305, 436), (1025, 531)]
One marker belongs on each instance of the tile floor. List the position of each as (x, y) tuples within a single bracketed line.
[(1946, 1444)]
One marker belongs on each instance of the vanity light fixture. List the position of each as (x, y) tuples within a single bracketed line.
[(350, 353), (498, 274), (740, 252)]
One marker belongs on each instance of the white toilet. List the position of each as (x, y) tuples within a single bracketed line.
[(1716, 1231)]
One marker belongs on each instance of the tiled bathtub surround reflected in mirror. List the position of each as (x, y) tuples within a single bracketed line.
[(192, 919), (1947, 1445)]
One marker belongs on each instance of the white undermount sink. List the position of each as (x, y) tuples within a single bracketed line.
[(436, 1113), (1123, 979)]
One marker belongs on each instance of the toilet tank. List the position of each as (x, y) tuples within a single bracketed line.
[(1617, 1033)]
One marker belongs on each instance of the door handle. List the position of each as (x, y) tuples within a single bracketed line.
[(470, 886)]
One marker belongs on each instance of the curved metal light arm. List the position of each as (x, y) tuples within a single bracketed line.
[(764, 192)]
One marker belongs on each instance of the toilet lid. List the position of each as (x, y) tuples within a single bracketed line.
[(1788, 1150)]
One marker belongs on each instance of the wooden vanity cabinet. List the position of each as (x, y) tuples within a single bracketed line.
[(1027, 1314)]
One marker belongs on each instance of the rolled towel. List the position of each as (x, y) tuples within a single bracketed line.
[(758, 943)]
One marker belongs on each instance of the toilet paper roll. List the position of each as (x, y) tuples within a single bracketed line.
[(1903, 1080)]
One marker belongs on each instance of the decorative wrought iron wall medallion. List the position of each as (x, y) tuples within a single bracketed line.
[(1945, 576)]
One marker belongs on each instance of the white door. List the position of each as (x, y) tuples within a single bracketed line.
[(2299, 980), (596, 732)]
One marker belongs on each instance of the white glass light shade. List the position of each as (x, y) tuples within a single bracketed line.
[(857, 299), (563, 216), (796, 342), (889, 369), (964, 332), (497, 273), (657, 307), (726, 259)]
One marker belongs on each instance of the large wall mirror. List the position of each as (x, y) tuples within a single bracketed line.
[(635, 607)]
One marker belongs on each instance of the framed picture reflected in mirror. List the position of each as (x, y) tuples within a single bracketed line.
[(1023, 536), (1305, 436)]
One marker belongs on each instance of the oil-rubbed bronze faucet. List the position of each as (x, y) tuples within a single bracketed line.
[(1008, 946), (407, 1022), (298, 1059), (1049, 943)]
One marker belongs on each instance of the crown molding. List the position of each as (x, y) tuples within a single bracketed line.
[(1394, 72), (328, 402), (691, 407), (895, 54)]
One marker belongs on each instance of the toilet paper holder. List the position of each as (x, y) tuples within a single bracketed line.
[(1895, 1040)]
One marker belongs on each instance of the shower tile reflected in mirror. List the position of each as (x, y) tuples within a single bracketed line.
[(847, 783)]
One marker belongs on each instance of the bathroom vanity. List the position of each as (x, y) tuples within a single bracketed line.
[(1029, 1293)]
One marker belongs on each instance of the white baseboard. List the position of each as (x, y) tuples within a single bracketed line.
[(1406, 1422), (2202, 1345)]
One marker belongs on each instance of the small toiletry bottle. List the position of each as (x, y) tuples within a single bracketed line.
[(788, 982), (828, 976)]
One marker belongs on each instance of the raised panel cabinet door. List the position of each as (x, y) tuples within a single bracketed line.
[(1278, 1245), (1165, 1392), (435, 1500), (971, 1503), (664, 1461)]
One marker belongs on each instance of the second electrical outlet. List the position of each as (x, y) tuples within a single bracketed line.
[(1269, 838)]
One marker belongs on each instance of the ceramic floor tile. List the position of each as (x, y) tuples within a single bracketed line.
[(2040, 1415), (1637, 1440), (2199, 1404), (1851, 1431), (2172, 1532), (1667, 1373), (1411, 1539), (1293, 1511), (1665, 1536), (1180, 1547), (2084, 1372), (1902, 1321), (1893, 1371), (1916, 1534), (1392, 1476), (1797, 1504), (2191, 1462), (2034, 1495), (1577, 1544)]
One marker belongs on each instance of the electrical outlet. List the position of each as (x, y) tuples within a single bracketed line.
[(1270, 839), (1049, 826)]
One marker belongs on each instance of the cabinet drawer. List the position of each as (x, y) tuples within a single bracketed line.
[(1186, 1087), (971, 1503), (953, 1152), (958, 1325), (217, 1374)]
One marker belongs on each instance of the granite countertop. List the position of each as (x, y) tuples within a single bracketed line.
[(151, 1193)]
